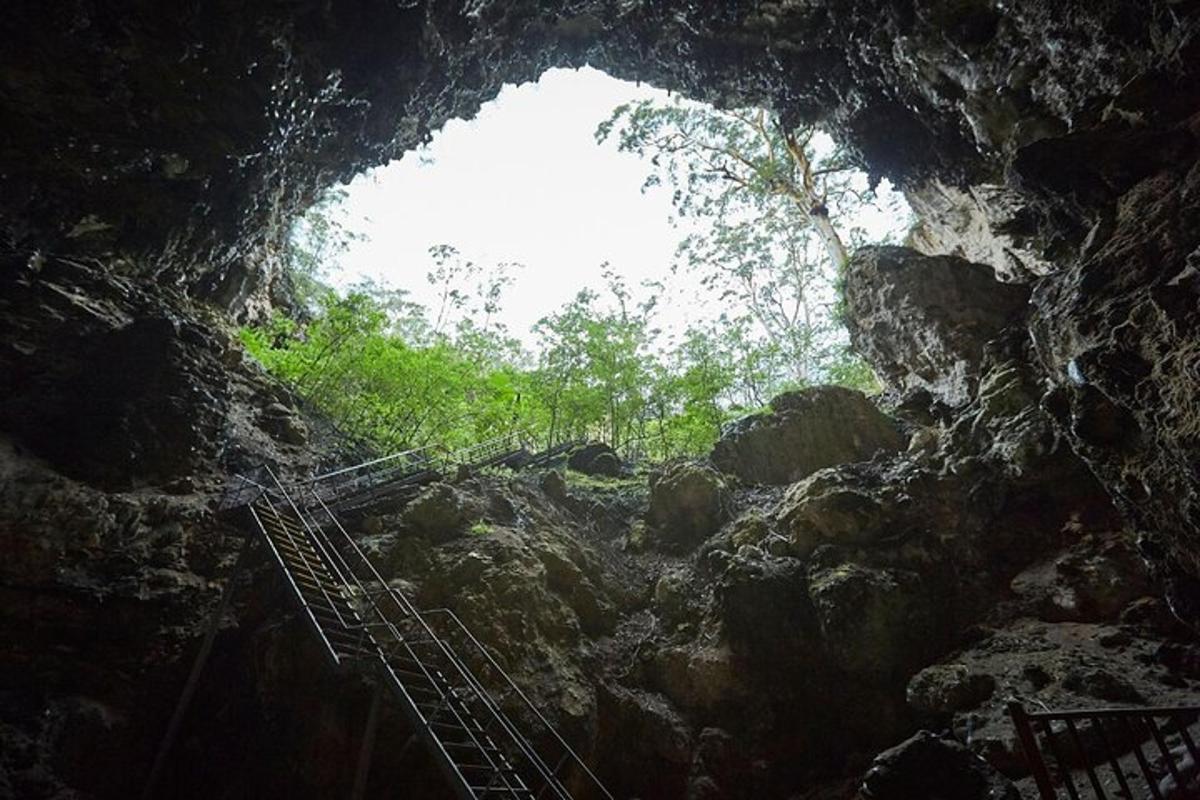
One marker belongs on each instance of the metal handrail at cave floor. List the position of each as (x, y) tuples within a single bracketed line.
[(1101, 749)]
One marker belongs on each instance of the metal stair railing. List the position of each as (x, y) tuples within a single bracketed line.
[(1096, 740), (395, 469), (566, 755), (425, 635), (363, 621), (554, 451), (489, 452)]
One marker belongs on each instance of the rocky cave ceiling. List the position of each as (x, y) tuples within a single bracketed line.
[(165, 147)]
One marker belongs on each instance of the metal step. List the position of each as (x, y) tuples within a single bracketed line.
[(481, 752)]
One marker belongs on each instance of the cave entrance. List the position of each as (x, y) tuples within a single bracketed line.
[(587, 258)]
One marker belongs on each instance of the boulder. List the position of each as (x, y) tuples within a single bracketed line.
[(642, 741), (554, 484), (766, 613), (672, 596), (1093, 581), (596, 458), (689, 501), (806, 430), (702, 678), (928, 766), (827, 508), (440, 512), (922, 321), (873, 621), (947, 688)]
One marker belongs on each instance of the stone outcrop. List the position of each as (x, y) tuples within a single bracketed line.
[(804, 431), (922, 321), (928, 766), (986, 224), (688, 502), (596, 458), (1115, 330)]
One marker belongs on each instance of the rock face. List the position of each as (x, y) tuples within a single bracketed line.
[(1115, 332), (688, 502), (922, 321), (985, 224), (805, 431), (295, 101), (154, 156)]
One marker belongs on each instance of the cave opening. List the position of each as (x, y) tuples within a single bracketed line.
[(580, 218)]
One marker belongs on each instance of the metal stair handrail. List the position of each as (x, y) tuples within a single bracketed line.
[(384, 625), (569, 752), (547, 773)]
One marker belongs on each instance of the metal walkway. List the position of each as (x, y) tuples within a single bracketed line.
[(478, 725)]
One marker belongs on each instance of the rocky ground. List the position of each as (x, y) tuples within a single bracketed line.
[(842, 572)]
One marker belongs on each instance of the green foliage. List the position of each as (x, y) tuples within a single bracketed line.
[(598, 376), (766, 238), (762, 241)]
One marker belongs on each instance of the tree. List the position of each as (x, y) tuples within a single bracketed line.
[(764, 200), (315, 241)]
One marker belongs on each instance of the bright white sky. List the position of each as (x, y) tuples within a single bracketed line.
[(524, 181)]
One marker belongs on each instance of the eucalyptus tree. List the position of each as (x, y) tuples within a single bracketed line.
[(759, 204)]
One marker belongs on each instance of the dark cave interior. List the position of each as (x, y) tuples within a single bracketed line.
[(1040, 521)]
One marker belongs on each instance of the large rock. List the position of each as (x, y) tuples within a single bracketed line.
[(441, 512), (689, 501), (1093, 581), (929, 767), (876, 622), (596, 458), (922, 321), (806, 430), (829, 508)]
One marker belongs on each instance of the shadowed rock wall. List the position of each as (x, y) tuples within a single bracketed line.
[(152, 155)]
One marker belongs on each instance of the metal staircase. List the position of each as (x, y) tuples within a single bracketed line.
[(479, 726), (381, 478)]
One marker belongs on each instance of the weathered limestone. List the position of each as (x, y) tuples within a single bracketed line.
[(922, 321), (806, 430)]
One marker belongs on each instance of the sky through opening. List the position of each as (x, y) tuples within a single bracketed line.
[(526, 182)]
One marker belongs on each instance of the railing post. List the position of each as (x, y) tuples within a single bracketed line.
[(1037, 765), (367, 750), (193, 680)]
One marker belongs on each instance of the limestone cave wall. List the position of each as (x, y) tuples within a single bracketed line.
[(152, 155)]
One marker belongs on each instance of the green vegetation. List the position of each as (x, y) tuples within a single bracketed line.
[(763, 243)]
